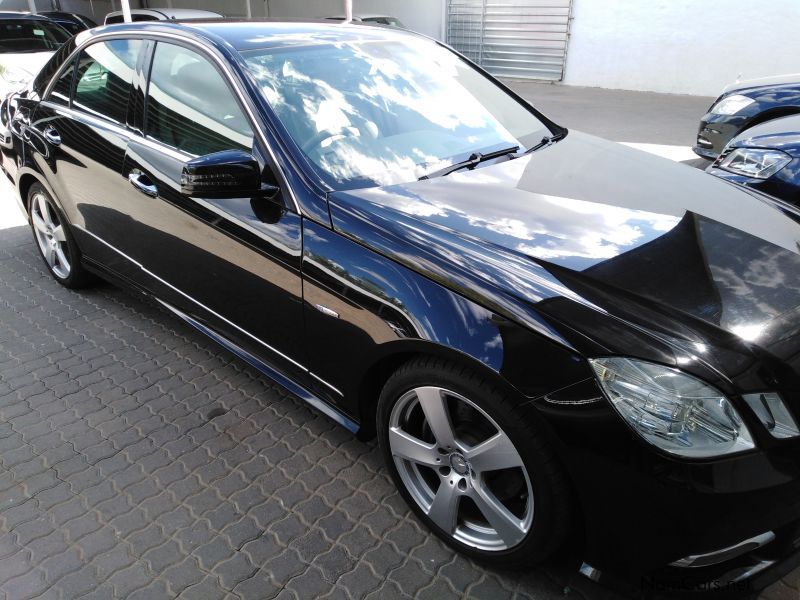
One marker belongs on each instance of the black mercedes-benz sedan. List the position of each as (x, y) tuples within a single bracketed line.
[(554, 338), (745, 104)]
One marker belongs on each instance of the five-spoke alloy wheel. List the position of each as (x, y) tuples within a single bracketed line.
[(54, 239), (49, 234), (466, 475), (482, 477)]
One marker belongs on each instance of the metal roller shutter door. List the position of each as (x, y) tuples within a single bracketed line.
[(512, 38)]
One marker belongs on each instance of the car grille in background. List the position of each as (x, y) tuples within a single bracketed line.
[(516, 38)]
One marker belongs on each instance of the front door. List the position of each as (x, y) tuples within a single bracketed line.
[(233, 263)]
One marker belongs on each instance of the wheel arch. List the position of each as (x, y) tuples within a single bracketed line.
[(770, 114), (396, 354), (25, 180)]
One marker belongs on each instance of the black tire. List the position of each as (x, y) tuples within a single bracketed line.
[(553, 506), (74, 275)]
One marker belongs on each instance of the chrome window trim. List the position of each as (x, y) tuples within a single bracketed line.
[(205, 51)]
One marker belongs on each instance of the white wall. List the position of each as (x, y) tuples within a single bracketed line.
[(424, 16), (681, 46)]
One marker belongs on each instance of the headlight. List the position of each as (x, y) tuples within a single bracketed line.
[(731, 105), (672, 410), (755, 162), (15, 75)]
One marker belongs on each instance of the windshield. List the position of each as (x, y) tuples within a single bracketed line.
[(22, 35), (377, 112)]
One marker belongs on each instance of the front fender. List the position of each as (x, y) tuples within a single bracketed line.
[(364, 309)]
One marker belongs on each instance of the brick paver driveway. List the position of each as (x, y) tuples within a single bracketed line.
[(138, 459)]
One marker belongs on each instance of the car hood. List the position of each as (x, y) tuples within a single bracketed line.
[(792, 78), (626, 233), (31, 62), (783, 134)]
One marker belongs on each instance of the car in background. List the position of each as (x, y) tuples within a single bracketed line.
[(27, 42), (744, 104), (765, 157), (160, 14), (72, 22), (372, 20)]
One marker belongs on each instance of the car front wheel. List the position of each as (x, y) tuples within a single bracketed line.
[(473, 464)]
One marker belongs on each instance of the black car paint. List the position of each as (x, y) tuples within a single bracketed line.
[(347, 285), (770, 102), (779, 134)]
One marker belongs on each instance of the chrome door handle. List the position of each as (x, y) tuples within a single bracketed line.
[(52, 136), (146, 188)]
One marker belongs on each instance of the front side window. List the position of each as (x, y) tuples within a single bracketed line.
[(190, 106), (30, 35), (104, 78), (381, 110)]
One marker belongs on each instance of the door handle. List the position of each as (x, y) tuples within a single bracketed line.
[(52, 136), (146, 188)]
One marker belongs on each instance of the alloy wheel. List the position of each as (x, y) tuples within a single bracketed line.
[(461, 468), (50, 235)]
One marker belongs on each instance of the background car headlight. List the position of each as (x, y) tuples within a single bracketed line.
[(731, 105), (15, 75), (759, 163), (671, 409)]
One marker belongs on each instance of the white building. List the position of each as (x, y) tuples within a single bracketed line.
[(672, 46)]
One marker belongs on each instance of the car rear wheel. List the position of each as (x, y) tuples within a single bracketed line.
[(54, 240), (472, 464)]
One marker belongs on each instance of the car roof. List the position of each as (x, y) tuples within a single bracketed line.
[(5, 15), (170, 13), (251, 34), (364, 16)]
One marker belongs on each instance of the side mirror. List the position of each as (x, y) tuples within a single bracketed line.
[(226, 174)]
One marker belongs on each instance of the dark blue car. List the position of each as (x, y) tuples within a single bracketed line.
[(744, 104), (765, 157)]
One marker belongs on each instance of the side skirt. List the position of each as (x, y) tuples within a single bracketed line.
[(267, 370)]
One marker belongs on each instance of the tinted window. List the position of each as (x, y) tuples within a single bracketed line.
[(62, 87), (72, 27), (190, 107), (104, 77), (23, 35)]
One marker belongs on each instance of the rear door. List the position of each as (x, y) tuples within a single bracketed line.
[(80, 133), (233, 264)]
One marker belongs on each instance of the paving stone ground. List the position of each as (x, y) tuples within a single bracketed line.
[(114, 483)]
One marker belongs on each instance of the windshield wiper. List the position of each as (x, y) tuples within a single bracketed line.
[(473, 161), (546, 141)]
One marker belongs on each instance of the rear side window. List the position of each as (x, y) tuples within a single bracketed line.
[(104, 77), (190, 106), (62, 88)]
